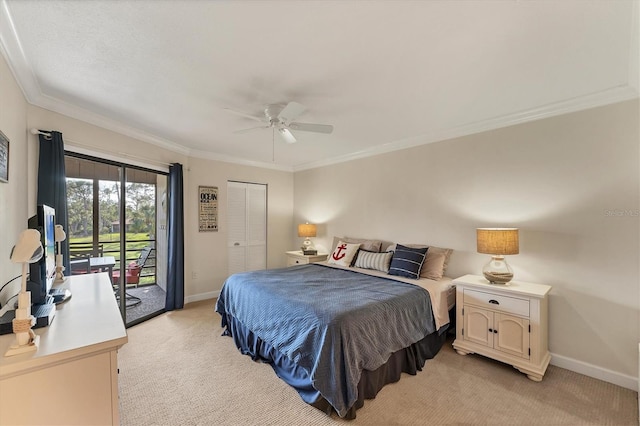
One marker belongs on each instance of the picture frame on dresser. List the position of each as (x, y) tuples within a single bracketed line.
[(4, 158)]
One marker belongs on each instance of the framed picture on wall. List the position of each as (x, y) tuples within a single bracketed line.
[(208, 209), (4, 158)]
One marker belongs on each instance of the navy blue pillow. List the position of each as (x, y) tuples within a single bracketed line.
[(407, 261)]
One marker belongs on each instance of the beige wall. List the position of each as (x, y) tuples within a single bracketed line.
[(563, 181), (13, 200), (209, 249)]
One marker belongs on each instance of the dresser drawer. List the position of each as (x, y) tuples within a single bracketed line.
[(496, 302)]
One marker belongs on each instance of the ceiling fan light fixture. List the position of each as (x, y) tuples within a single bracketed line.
[(281, 118), (287, 135)]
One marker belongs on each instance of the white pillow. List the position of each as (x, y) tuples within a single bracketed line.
[(343, 254)]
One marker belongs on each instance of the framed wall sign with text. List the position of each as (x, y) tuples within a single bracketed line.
[(208, 208), (4, 158)]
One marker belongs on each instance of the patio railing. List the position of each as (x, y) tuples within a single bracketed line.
[(132, 252)]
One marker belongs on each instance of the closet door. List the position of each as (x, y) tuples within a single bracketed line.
[(247, 225)]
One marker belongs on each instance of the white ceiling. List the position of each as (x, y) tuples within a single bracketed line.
[(385, 74)]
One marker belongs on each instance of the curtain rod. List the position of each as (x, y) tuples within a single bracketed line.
[(135, 157), (47, 136)]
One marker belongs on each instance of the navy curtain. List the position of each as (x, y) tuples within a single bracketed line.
[(52, 184), (175, 267)]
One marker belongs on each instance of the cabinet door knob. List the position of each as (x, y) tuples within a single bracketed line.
[(495, 302), (236, 244), (495, 331), (491, 330)]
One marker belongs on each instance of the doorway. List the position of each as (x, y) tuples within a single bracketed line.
[(247, 226), (116, 212)]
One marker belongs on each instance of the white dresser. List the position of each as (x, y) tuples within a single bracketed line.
[(508, 323), (72, 379)]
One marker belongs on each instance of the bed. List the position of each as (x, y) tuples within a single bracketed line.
[(336, 333)]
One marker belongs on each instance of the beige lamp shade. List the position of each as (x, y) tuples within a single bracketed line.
[(306, 230), (498, 241)]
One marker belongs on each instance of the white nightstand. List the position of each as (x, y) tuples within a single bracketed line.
[(297, 258), (508, 323)]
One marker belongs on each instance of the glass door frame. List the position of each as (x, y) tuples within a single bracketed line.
[(123, 168)]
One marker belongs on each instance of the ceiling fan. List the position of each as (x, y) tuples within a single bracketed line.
[(281, 118)]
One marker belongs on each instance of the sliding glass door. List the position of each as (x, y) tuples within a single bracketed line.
[(116, 215)]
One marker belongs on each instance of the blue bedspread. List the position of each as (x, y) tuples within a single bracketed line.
[(331, 322)]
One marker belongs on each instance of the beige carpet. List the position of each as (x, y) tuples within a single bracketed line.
[(178, 370)]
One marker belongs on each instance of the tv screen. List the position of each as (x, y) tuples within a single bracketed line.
[(42, 273)]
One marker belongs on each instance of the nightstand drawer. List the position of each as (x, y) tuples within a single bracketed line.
[(292, 261), (297, 258), (497, 302)]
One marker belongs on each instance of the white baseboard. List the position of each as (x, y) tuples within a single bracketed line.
[(596, 372), (202, 296)]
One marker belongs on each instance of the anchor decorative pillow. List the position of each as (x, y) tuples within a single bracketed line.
[(343, 254)]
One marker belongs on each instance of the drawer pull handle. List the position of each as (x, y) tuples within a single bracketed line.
[(495, 302)]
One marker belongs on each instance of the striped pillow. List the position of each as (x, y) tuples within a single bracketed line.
[(377, 261), (407, 261)]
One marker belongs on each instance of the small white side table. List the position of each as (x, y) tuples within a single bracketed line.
[(508, 323)]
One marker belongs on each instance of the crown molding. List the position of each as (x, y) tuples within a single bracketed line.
[(23, 73), (240, 161), (61, 107), (14, 55), (605, 97)]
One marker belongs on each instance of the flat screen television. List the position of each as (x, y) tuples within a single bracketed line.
[(42, 273)]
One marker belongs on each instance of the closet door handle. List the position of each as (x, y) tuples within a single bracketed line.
[(495, 302)]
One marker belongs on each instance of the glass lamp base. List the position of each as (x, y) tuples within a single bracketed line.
[(307, 247), (497, 271)]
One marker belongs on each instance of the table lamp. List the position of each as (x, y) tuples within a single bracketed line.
[(307, 230), (27, 250), (60, 236), (497, 242)]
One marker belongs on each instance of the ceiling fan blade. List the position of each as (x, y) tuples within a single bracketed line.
[(311, 127), (250, 129), (242, 114), (291, 112), (287, 136)]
